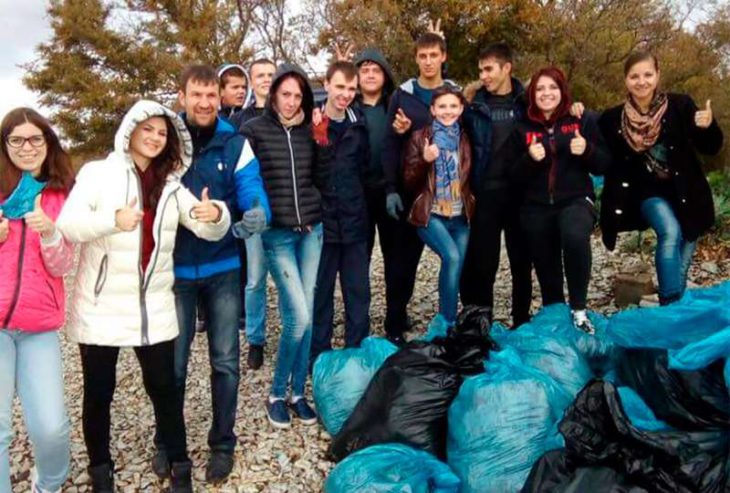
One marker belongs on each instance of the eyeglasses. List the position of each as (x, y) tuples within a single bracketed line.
[(17, 142)]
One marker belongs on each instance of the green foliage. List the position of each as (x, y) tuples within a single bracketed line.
[(720, 184)]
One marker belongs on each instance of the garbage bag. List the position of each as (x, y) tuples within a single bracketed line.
[(391, 468), (638, 413), (340, 377), (500, 423), (598, 434), (555, 322), (408, 398), (686, 400), (702, 353)]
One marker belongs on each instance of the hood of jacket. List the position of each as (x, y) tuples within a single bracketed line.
[(249, 91), (307, 98), (376, 56), (141, 111)]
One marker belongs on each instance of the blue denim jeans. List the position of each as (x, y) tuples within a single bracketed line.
[(293, 260), (255, 302), (30, 363), (448, 238), (220, 296), (673, 253)]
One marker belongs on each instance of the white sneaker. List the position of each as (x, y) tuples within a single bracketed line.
[(582, 322)]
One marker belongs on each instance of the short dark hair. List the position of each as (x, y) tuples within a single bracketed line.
[(427, 40), (348, 69), (261, 61), (232, 71), (638, 57), (445, 90), (499, 51), (198, 73)]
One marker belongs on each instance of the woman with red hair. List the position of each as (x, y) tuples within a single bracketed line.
[(552, 154)]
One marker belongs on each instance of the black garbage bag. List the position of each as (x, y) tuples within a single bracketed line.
[(598, 435), (686, 400), (407, 400)]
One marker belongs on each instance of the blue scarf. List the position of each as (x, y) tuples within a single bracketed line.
[(446, 167), (22, 200)]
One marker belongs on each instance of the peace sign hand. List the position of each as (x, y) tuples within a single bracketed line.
[(347, 55)]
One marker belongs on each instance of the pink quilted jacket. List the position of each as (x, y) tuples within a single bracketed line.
[(31, 291)]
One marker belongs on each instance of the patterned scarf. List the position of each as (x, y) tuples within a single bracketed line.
[(641, 130), (293, 121), (22, 199), (446, 167)]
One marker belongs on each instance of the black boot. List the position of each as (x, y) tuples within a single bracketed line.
[(102, 478), (181, 480)]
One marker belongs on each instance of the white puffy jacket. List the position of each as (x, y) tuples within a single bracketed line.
[(115, 303)]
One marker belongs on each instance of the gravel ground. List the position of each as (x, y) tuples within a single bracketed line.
[(267, 460)]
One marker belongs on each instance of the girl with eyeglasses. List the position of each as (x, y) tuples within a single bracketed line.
[(35, 177)]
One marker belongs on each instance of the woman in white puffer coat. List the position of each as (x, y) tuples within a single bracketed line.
[(125, 211)]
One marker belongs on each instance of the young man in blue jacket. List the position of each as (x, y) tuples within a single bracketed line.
[(408, 111), (342, 159), (209, 272)]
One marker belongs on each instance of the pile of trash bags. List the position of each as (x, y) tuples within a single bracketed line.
[(642, 405)]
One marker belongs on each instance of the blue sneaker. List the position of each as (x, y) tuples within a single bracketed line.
[(278, 414), (303, 411)]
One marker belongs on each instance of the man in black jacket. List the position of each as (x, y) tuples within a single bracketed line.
[(408, 111), (342, 158), (489, 120)]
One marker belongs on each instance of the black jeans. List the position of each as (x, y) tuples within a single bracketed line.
[(158, 374), (401, 248), (561, 234), (348, 260), (496, 211)]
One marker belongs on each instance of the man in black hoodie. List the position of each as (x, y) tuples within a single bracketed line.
[(489, 120)]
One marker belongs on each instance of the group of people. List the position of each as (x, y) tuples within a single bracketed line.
[(254, 177)]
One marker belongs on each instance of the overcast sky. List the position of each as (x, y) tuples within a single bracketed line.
[(23, 24)]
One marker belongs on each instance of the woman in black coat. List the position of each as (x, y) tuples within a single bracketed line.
[(656, 179)]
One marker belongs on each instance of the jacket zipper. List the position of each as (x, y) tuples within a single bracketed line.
[(100, 278), (142, 301), (16, 294), (294, 177), (553, 168)]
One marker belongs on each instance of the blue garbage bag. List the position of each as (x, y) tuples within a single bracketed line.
[(639, 413), (390, 468), (340, 377), (500, 424), (702, 353)]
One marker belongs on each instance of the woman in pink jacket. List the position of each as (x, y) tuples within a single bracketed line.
[(35, 176)]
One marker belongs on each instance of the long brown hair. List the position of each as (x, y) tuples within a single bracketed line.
[(56, 170), (166, 162)]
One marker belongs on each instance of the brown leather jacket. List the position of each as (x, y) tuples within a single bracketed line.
[(420, 180)]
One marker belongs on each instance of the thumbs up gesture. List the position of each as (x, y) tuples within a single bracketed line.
[(703, 118), (536, 150), (128, 217), (38, 221), (430, 152), (401, 123), (577, 144), (4, 227), (206, 211)]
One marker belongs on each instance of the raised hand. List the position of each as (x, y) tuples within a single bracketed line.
[(430, 152), (347, 55), (536, 149), (206, 211), (401, 123), (578, 144), (128, 217), (703, 118), (4, 227), (38, 221), (435, 27)]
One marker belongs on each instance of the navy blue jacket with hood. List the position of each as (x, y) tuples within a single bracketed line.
[(341, 165), (226, 165)]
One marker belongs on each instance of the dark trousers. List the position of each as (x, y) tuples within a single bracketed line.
[(401, 248), (349, 261), (496, 211), (158, 374), (561, 234)]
